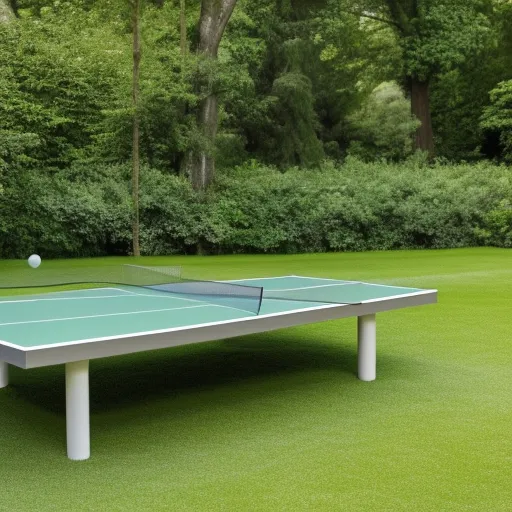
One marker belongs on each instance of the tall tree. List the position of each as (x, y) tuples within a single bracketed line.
[(273, 108), (183, 28), (200, 162), (135, 4), (434, 37), (459, 97)]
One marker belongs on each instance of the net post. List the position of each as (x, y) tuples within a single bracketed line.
[(4, 374), (367, 347), (77, 410)]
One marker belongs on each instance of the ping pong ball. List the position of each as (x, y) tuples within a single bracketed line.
[(34, 261)]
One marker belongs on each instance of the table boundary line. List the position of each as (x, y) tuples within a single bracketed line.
[(208, 324)]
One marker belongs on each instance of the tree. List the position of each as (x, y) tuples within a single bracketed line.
[(183, 28), (61, 72), (356, 55), (459, 96), (200, 161), (497, 117), (434, 37), (135, 4), (291, 82), (383, 126)]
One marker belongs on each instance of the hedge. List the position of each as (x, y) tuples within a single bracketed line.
[(354, 207)]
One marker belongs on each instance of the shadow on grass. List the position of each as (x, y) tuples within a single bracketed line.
[(125, 380)]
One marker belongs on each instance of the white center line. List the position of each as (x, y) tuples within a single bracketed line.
[(311, 287), (162, 295), (99, 316)]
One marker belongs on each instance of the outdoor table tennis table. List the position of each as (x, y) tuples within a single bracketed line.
[(72, 327)]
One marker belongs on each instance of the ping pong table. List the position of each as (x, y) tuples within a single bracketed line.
[(72, 327)]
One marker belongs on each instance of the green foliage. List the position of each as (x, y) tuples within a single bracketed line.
[(434, 36), (295, 81), (58, 74), (271, 212), (457, 99), (167, 128), (441, 36), (497, 227), (360, 53), (241, 109), (289, 76), (459, 96), (66, 78), (383, 127), (295, 138), (298, 98), (58, 217), (170, 214), (497, 117), (356, 207)]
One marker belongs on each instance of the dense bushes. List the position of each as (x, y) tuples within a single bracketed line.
[(64, 214), (355, 207), (362, 207)]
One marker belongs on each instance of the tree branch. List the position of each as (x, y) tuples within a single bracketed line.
[(225, 13), (400, 17), (372, 17), (378, 18)]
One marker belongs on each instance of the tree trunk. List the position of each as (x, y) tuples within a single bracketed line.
[(183, 28), (6, 12), (420, 106), (136, 126), (204, 161), (200, 164)]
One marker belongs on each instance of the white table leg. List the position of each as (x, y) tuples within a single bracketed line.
[(367, 347), (4, 374), (77, 410)]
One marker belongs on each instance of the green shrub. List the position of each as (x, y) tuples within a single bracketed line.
[(355, 207), (58, 215), (170, 214), (86, 210), (497, 227)]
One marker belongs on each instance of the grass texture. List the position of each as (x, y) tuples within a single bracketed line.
[(279, 421)]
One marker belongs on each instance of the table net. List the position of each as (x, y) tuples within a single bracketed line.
[(161, 279)]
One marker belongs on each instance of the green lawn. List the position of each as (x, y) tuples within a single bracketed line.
[(279, 421)]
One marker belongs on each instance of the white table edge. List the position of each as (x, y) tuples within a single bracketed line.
[(46, 355)]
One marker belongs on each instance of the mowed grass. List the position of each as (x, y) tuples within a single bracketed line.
[(279, 421)]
